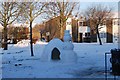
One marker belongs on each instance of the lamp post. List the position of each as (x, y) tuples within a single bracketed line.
[(119, 25), (119, 33)]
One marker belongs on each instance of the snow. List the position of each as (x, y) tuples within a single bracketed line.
[(23, 43), (17, 62)]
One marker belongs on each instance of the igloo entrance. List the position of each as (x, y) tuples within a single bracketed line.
[(55, 55)]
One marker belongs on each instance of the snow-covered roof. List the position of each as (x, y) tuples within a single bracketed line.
[(17, 24)]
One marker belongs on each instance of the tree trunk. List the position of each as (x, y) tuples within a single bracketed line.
[(61, 26), (31, 45), (41, 36), (61, 33), (5, 38), (99, 36)]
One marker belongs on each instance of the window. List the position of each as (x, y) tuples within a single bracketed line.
[(115, 35), (87, 34), (80, 23), (116, 23), (105, 35), (102, 35), (83, 23)]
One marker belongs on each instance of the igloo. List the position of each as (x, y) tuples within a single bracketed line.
[(52, 45), (57, 50)]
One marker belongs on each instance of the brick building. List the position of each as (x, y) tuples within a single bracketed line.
[(82, 30), (53, 30), (87, 31)]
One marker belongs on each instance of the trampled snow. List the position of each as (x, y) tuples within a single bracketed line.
[(17, 62)]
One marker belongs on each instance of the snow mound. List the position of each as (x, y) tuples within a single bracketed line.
[(41, 42), (23, 43)]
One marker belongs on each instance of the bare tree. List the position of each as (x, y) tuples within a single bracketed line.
[(9, 12), (32, 11), (62, 9), (98, 14)]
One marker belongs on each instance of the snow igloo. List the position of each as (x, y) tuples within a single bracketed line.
[(57, 50)]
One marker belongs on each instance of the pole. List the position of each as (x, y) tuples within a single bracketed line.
[(105, 66), (119, 25)]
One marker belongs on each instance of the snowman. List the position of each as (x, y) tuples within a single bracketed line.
[(68, 55)]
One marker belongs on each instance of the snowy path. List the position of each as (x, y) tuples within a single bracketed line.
[(17, 63)]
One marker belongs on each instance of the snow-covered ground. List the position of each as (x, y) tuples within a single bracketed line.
[(17, 62)]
